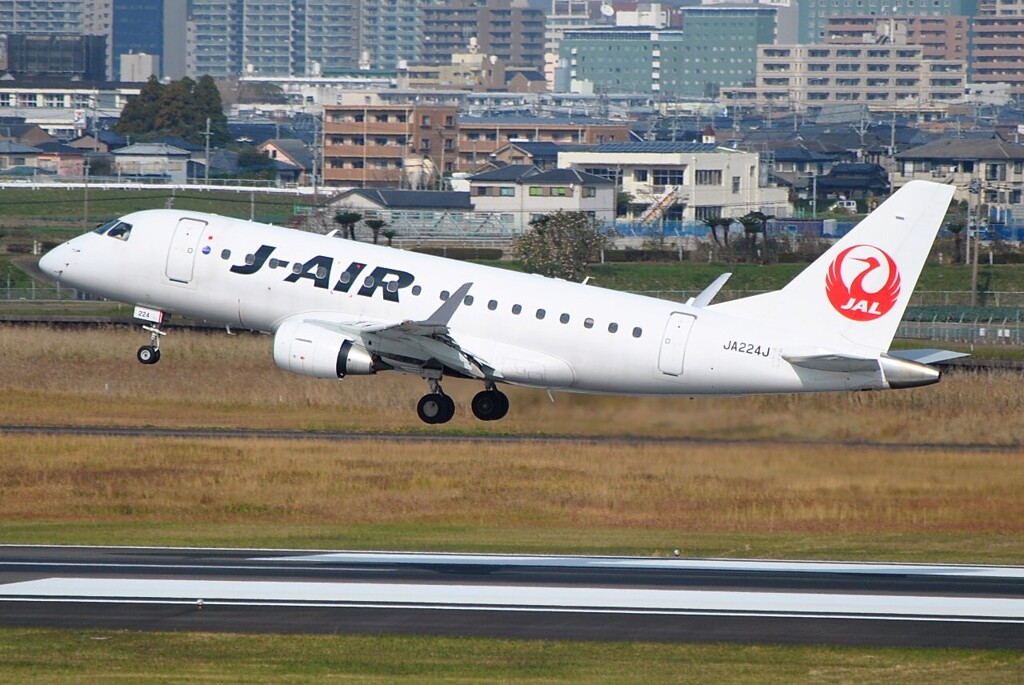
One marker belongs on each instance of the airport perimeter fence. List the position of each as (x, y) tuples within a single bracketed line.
[(940, 316)]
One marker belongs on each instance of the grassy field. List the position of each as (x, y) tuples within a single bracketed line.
[(813, 491), (27, 656)]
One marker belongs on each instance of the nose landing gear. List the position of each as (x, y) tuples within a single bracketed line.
[(150, 354)]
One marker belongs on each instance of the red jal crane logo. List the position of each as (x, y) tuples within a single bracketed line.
[(872, 290)]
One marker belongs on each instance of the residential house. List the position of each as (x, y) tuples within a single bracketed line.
[(17, 159), (682, 181), (61, 160), (153, 160), (522, 193), (295, 161), (990, 170), (423, 215)]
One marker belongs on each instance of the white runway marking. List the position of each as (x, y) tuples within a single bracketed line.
[(521, 598), (660, 563)]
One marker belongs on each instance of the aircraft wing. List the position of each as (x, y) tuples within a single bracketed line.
[(417, 347)]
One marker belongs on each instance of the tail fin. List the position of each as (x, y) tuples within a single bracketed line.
[(860, 287)]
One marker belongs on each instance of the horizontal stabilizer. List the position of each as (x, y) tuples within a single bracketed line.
[(833, 362), (928, 356)]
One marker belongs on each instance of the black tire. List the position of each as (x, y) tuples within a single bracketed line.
[(435, 408), (502, 402), (449, 409), (148, 354), (490, 405)]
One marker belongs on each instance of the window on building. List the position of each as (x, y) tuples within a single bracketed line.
[(708, 177)]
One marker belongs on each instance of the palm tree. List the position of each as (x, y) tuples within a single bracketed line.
[(348, 220), (375, 225)]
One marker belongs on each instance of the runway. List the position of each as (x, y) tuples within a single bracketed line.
[(586, 598)]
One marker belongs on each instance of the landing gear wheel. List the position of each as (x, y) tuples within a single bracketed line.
[(148, 354), (490, 405), (436, 407)]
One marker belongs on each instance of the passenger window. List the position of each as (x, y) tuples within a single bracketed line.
[(468, 300), (613, 327), (345, 277), (637, 332), (368, 282), (416, 290), (564, 318), (225, 254), (392, 286), (588, 322), (541, 313), (445, 295), (321, 272), (250, 259), (492, 305), (517, 308)]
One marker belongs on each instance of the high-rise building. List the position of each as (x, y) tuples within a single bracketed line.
[(716, 48), (508, 30), (815, 14), (137, 28), (299, 37), (60, 18)]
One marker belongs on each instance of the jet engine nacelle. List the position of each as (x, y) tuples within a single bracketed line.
[(313, 350)]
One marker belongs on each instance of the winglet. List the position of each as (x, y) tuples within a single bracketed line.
[(708, 294), (444, 313)]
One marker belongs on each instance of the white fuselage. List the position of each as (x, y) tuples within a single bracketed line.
[(530, 330)]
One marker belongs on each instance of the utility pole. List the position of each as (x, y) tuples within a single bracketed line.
[(206, 165)]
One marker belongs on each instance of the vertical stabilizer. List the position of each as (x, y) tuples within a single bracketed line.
[(859, 289)]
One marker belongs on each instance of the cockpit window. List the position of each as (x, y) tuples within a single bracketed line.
[(115, 229), (103, 228), (121, 231)]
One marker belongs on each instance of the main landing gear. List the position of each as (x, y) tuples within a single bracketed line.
[(436, 407), (150, 354)]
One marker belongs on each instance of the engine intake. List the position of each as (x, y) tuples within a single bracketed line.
[(312, 350)]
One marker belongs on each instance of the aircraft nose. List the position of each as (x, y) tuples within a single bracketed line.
[(55, 262)]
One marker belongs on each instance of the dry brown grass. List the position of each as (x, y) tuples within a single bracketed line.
[(713, 488), (91, 377), (821, 499)]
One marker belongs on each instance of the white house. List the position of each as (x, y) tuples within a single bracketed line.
[(524, 192), (687, 181), (153, 160)]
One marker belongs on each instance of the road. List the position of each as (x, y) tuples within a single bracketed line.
[(585, 598)]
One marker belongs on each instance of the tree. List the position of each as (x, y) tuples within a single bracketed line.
[(254, 164), (561, 245), (138, 113), (721, 244), (375, 225), (179, 108), (754, 223), (210, 106), (389, 235), (347, 220)]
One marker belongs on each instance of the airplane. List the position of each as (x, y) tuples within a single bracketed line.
[(337, 307)]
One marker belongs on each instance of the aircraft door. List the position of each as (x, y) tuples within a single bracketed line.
[(181, 255), (673, 343)]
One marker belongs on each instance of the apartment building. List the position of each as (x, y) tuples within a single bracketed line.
[(299, 37), (397, 146), (481, 136), (940, 37), (881, 77), (997, 51), (511, 31)]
